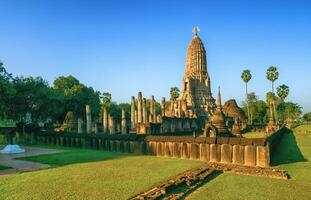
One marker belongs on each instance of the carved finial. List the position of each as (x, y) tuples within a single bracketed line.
[(196, 30)]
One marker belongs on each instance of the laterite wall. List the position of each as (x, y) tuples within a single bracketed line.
[(241, 151)]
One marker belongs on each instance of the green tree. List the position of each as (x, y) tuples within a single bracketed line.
[(251, 105), (7, 91), (272, 75), (32, 96), (246, 77), (106, 99), (307, 117), (292, 111), (258, 109), (174, 92), (77, 95), (282, 91)]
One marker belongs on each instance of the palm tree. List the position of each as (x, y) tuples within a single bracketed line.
[(272, 75), (282, 91), (174, 93), (246, 77), (106, 96)]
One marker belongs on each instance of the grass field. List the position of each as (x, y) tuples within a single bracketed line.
[(254, 134), (294, 155), (101, 175), (90, 174)]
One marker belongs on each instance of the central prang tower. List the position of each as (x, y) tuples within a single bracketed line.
[(196, 85)]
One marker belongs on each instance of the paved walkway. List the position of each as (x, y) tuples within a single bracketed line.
[(22, 165)]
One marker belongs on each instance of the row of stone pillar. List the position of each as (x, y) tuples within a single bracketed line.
[(109, 124), (136, 147), (140, 115), (249, 155)]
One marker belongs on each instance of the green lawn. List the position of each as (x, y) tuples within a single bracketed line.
[(73, 155), (103, 175), (254, 134), (293, 155)]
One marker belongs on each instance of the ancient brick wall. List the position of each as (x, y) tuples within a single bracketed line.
[(240, 151)]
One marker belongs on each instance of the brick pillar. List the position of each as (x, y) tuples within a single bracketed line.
[(88, 119), (133, 113), (80, 121), (112, 129), (139, 108), (163, 106), (105, 121), (123, 123), (144, 111)]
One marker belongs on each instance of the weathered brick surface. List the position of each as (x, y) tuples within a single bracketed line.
[(226, 150), (250, 155)]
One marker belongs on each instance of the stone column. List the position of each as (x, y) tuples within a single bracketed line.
[(152, 109), (133, 112), (96, 128), (163, 106), (136, 118), (88, 119), (105, 121), (139, 108), (123, 123), (179, 109), (80, 121), (111, 124), (144, 110)]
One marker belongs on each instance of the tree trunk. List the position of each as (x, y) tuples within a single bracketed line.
[(275, 113), (248, 114), (273, 87)]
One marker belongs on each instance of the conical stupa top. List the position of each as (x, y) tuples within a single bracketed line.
[(218, 98), (196, 56)]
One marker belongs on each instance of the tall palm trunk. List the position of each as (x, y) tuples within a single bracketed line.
[(274, 108), (248, 113)]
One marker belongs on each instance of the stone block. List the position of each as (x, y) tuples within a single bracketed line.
[(226, 151), (126, 145), (250, 155), (107, 145), (222, 140), (176, 153), (203, 151), (132, 146), (238, 154), (122, 146), (194, 151), (234, 140), (159, 149), (167, 151), (184, 151), (118, 148), (112, 145), (262, 156), (213, 153)]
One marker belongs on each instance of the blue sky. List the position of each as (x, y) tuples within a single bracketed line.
[(128, 46)]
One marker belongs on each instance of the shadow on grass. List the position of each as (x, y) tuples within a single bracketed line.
[(287, 151), (73, 156)]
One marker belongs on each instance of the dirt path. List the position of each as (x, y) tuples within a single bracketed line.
[(22, 165)]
